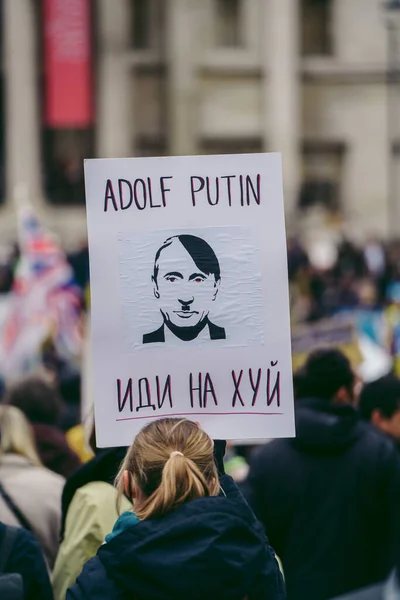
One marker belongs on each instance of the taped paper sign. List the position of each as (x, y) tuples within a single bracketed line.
[(190, 309)]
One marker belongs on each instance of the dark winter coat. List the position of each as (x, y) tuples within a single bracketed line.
[(329, 500), (388, 590), (205, 549), (26, 558), (102, 467)]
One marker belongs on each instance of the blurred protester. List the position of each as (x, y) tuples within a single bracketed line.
[(235, 464), (392, 316), (70, 392), (89, 511), (350, 260), (42, 406), (192, 535), (23, 571), (300, 389), (297, 257), (380, 404), (369, 317), (375, 258), (30, 494), (328, 498), (346, 293), (8, 258), (79, 261)]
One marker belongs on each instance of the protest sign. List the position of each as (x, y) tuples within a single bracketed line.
[(189, 291), (337, 332)]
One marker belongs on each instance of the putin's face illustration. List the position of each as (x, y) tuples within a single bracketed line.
[(184, 291), (186, 281)]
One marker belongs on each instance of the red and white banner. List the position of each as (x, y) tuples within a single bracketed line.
[(68, 63)]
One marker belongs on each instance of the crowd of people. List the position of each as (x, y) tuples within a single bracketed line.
[(180, 515), (353, 277), (163, 518)]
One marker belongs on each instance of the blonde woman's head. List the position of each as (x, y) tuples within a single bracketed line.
[(170, 462), (16, 435)]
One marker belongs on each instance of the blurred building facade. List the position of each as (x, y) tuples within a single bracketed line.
[(308, 78)]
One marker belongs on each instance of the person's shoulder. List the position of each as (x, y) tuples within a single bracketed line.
[(45, 475), (25, 549), (94, 505), (273, 457), (155, 336), (216, 332), (272, 448), (373, 436), (93, 489), (93, 582), (377, 443), (97, 494)]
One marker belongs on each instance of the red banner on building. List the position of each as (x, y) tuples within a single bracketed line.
[(67, 58)]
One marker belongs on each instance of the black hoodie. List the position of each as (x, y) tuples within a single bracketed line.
[(329, 500), (207, 549)]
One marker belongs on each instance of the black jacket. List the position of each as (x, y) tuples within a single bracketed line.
[(26, 558), (102, 467), (388, 590), (329, 500), (206, 549)]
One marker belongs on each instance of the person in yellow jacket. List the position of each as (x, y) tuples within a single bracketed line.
[(89, 512), (91, 516)]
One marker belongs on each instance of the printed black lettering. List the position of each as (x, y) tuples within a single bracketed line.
[(228, 186), (255, 386), (241, 190), (148, 403), (193, 389), (109, 195), (276, 391), (136, 195), (121, 193), (201, 186), (210, 200), (151, 195), (249, 186), (164, 189), (209, 389), (127, 395), (236, 383), (167, 391)]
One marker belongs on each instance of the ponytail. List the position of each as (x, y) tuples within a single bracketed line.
[(172, 462), (181, 481)]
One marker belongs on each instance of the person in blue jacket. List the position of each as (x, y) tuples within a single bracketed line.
[(192, 534)]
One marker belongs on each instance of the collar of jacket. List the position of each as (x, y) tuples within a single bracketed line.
[(125, 521)]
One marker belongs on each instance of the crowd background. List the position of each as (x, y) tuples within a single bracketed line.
[(315, 79)]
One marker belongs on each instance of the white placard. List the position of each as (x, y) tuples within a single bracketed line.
[(189, 291)]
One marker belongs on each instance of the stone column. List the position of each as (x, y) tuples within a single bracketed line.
[(115, 134), (282, 82), (181, 101), (22, 116)]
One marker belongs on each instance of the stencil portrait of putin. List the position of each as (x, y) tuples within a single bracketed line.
[(186, 280)]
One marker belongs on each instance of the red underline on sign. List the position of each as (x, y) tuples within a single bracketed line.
[(214, 414)]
